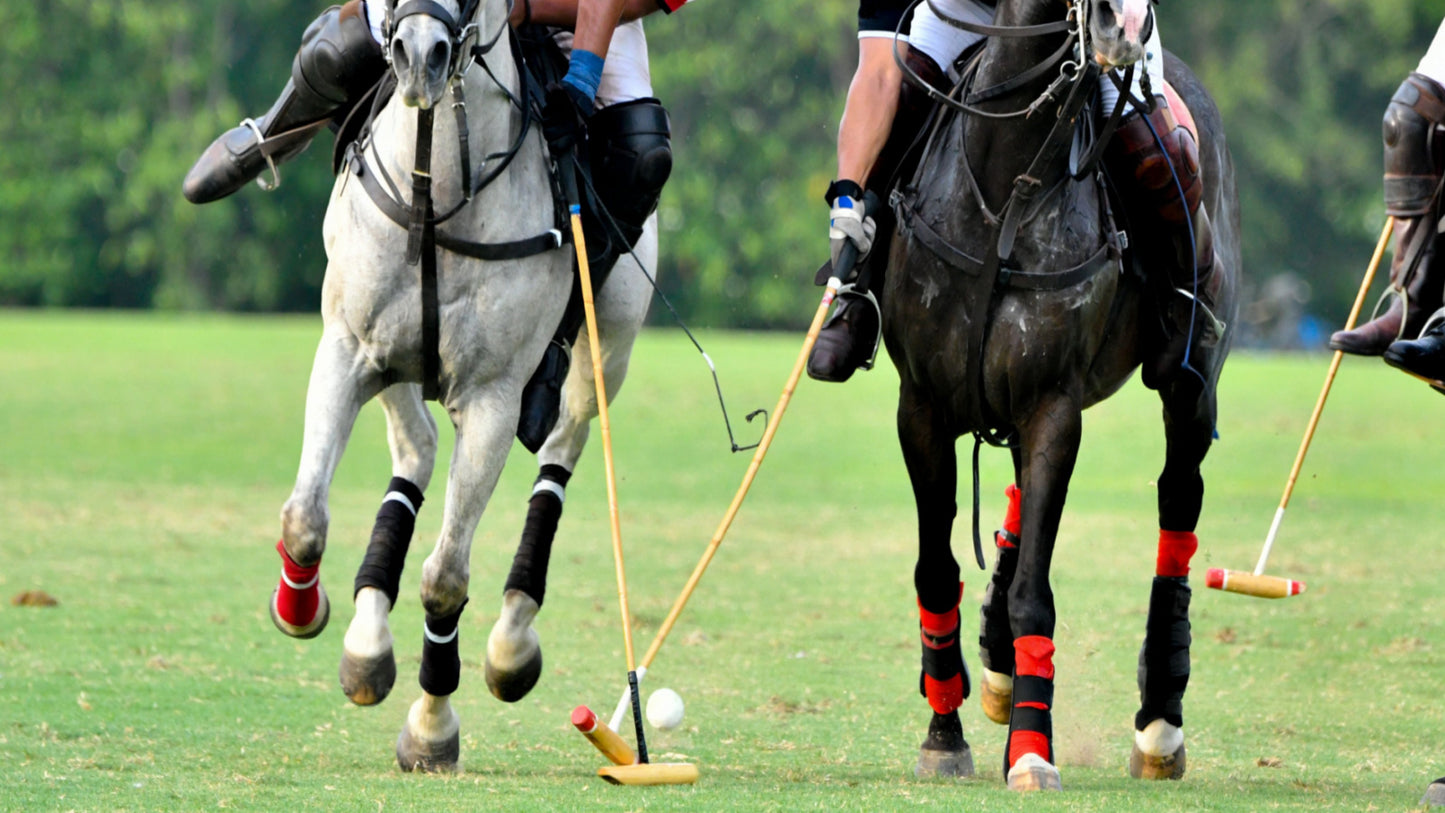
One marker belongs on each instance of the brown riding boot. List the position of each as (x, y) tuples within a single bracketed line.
[(1145, 174), (849, 339), (338, 62), (1412, 174)]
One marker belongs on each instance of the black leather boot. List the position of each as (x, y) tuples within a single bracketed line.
[(849, 339), (1412, 174), (1145, 173), (542, 395), (337, 63), (1423, 357)]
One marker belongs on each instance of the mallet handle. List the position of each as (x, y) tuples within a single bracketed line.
[(594, 345), (1299, 459)]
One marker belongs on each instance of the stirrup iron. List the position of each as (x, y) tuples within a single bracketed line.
[(261, 181)]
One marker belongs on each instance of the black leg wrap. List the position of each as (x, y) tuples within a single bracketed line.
[(390, 537), (1029, 690), (529, 566), (1164, 658), (995, 638), (441, 664)]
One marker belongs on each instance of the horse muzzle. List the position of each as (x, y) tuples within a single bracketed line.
[(1119, 29), (421, 67)]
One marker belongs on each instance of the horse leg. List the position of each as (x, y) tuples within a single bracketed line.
[(340, 384), (368, 667), (995, 639), (932, 468), (1050, 445), (430, 740), (1158, 751), (514, 653)]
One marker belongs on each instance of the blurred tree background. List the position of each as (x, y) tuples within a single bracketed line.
[(107, 105)]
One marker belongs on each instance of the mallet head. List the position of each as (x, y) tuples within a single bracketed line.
[(1249, 584)]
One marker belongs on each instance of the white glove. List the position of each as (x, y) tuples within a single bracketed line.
[(848, 224)]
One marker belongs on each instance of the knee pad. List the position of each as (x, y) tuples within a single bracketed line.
[(338, 60), (1411, 165), (631, 160)]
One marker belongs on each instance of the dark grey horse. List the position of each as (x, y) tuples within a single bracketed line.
[(1011, 306)]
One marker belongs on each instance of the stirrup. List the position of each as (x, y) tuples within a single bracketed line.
[(1213, 324), (275, 181), (851, 291)]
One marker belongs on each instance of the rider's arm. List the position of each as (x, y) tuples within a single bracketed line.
[(868, 112), (563, 13)]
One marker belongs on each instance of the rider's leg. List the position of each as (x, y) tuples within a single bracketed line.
[(339, 60), (1154, 163), (849, 339), (1412, 174), (631, 158)]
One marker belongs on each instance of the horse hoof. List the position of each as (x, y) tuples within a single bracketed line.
[(1033, 772), (514, 654), (318, 622), (1435, 794), (996, 695), (413, 754), (511, 685), (945, 764), (1146, 766), (367, 681)]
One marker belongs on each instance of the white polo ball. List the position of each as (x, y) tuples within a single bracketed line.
[(664, 709)]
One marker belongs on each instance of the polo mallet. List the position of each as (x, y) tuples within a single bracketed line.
[(1256, 583), (640, 772), (847, 258)]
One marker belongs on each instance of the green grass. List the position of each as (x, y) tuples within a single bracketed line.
[(143, 461)]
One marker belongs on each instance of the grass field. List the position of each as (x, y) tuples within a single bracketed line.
[(143, 461)]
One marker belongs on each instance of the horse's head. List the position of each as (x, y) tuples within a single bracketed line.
[(1118, 30), (424, 36)]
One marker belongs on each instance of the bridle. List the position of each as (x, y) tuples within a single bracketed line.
[(424, 241)]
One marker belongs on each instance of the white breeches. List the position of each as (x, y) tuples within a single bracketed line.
[(1433, 64), (943, 42)]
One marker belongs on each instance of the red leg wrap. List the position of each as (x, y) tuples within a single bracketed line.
[(1034, 655), (1026, 742), (942, 656), (1175, 550), (1007, 537), (945, 696), (296, 596)]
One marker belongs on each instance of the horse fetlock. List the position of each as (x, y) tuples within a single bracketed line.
[(303, 529), (996, 694), (514, 651), (430, 740), (945, 752), (443, 586)]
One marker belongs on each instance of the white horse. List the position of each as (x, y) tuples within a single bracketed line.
[(494, 319)]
